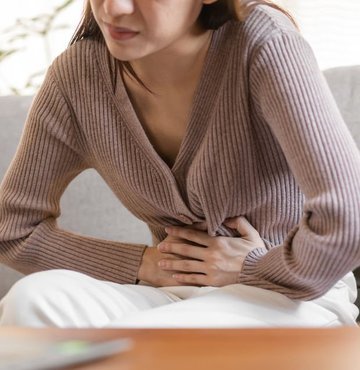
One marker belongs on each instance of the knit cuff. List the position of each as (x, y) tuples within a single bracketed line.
[(250, 265)]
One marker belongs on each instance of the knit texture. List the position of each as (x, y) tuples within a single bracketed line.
[(265, 139)]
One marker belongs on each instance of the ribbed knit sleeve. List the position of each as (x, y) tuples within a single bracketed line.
[(48, 157), (290, 95)]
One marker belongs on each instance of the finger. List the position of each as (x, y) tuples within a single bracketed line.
[(182, 249), (197, 236), (182, 265), (192, 279), (242, 225)]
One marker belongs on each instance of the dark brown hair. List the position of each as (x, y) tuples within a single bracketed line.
[(212, 16)]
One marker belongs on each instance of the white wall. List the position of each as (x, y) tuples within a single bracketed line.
[(331, 27)]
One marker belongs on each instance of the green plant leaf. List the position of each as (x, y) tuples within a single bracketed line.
[(64, 5), (6, 53)]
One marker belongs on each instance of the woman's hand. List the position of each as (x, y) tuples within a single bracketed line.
[(212, 261), (150, 271)]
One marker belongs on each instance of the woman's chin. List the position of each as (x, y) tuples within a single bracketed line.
[(122, 52)]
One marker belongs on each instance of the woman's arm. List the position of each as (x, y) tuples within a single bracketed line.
[(290, 95), (47, 159)]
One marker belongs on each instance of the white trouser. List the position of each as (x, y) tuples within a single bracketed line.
[(64, 298)]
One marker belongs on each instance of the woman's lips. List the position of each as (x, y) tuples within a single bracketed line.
[(119, 33)]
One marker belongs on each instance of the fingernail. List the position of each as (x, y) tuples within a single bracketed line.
[(163, 247), (161, 263), (170, 230)]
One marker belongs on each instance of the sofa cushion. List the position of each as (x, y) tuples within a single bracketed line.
[(344, 83)]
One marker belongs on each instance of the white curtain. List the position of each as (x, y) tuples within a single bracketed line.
[(332, 28)]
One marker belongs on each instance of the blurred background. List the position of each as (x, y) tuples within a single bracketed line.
[(33, 33)]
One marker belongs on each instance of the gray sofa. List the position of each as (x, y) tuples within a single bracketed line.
[(88, 205)]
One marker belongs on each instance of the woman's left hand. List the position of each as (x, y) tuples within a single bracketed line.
[(213, 260)]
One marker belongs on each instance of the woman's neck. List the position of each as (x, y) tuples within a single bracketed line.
[(178, 66)]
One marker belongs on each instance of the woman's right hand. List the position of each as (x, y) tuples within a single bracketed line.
[(149, 270)]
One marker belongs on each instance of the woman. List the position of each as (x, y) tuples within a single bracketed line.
[(222, 136)]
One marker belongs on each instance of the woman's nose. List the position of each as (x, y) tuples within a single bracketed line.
[(118, 7)]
